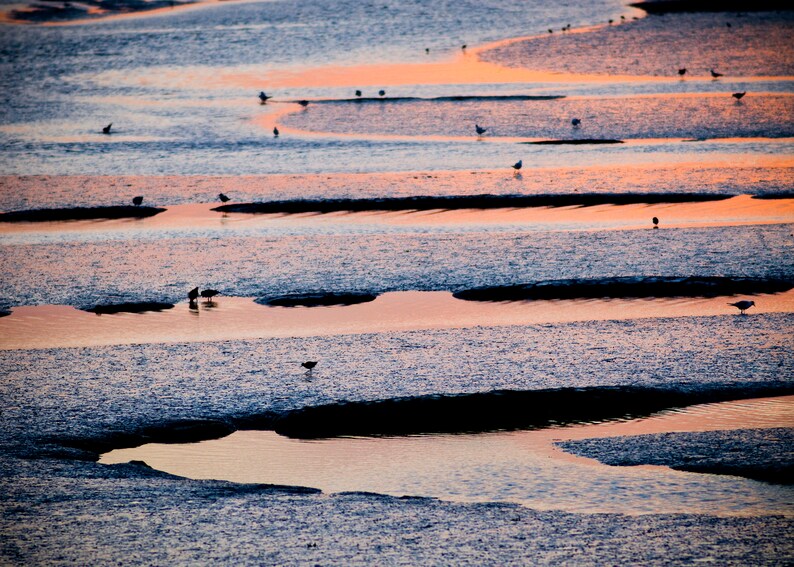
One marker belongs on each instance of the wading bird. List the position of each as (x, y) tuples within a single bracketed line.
[(382, 92), (106, 129), (682, 72), (358, 93), (655, 222), (517, 165), (480, 130), (738, 96), (223, 198), (193, 294), (275, 132), (714, 74), (743, 305), (208, 294), (575, 122), (137, 200), (263, 97)]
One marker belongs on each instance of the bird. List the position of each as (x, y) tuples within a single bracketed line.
[(358, 93), (106, 129), (551, 30), (275, 132), (743, 305), (655, 222), (382, 92), (738, 96), (480, 130), (715, 74), (137, 200), (682, 72), (728, 24), (208, 294), (223, 198), (610, 22), (263, 97), (303, 103), (518, 165), (463, 47), (427, 50), (575, 122), (193, 294), (309, 364)]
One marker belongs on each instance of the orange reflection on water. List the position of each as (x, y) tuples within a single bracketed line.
[(49, 326)]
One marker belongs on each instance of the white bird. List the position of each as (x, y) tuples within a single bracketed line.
[(743, 305), (480, 130)]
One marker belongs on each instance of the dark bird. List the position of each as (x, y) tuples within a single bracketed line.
[(193, 294), (480, 130), (551, 30), (263, 97), (715, 74), (743, 305), (223, 198), (106, 129), (575, 122), (622, 17), (728, 24), (309, 364), (358, 93), (137, 200), (655, 222), (303, 103), (610, 22), (382, 92), (682, 72), (738, 96), (275, 132), (463, 47), (427, 50), (518, 165), (208, 294)]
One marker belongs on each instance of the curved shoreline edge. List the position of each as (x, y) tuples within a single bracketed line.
[(80, 213)]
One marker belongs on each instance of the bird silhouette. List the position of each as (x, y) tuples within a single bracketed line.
[(263, 98), (575, 122), (738, 96), (655, 222), (480, 130), (193, 294), (309, 364), (551, 30), (427, 50), (303, 103), (223, 198), (682, 72), (382, 92), (106, 129), (137, 200), (518, 165), (743, 305), (208, 294), (275, 132), (358, 93), (714, 74), (463, 47)]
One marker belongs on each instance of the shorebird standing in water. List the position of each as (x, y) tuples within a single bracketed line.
[(480, 130), (275, 132), (382, 92), (576, 123), (309, 366), (106, 129), (137, 200), (208, 294), (743, 305), (682, 72), (518, 165), (714, 74), (263, 98), (223, 198), (738, 96), (358, 93), (192, 295), (655, 222)]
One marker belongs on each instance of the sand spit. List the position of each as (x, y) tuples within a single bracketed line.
[(425, 203), (317, 299), (135, 307), (626, 287), (79, 213)]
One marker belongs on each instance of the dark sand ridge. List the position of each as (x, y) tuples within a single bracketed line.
[(91, 10), (720, 174), (230, 318), (80, 213)]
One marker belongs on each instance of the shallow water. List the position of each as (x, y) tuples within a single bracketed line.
[(520, 466)]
